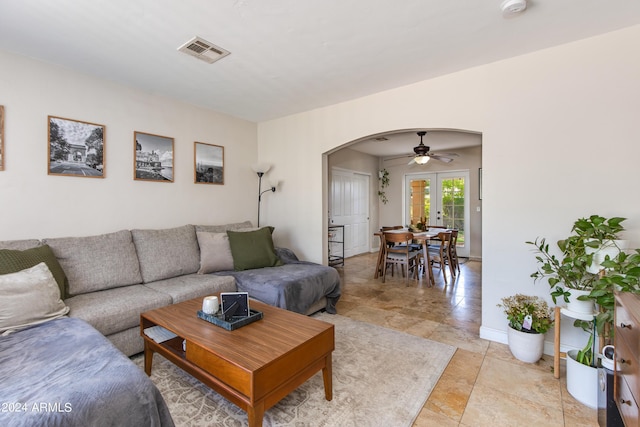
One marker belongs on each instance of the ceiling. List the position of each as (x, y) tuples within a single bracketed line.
[(289, 56)]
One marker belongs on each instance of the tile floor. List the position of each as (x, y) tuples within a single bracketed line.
[(483, 385)]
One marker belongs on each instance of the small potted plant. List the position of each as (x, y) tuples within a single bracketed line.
[(529, 319)]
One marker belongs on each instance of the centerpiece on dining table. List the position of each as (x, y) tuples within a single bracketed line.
[(419, 226)]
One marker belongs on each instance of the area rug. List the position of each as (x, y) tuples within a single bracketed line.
[(381, 377)]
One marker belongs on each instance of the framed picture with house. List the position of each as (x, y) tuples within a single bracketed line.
[(76, 148), (208, 163), (153, 157), (1, 137)]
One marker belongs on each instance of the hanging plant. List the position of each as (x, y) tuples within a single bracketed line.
[(383, 177)]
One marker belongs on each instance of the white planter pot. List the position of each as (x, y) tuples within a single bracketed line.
[(525, 347), (582, 381), (610, 247), (577, 306)]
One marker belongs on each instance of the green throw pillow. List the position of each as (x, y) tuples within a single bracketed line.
[(12, 261), (253, 249)]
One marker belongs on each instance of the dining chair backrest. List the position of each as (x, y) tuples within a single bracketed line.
[(453, 252), (391, 228), (445, 239), (388, 228), (454, 237), (398, 237)]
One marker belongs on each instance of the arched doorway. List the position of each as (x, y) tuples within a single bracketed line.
[(391, 151)]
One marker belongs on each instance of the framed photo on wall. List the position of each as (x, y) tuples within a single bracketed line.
[(1, 137), (208, 163), (153, 157), (76, 148)]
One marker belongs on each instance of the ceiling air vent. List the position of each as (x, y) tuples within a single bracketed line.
[(203, 50)]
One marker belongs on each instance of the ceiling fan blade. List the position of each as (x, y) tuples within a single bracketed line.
[(397, 157), (441, 158), (413, 161)]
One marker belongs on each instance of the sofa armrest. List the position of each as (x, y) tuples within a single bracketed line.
[(286, 255)]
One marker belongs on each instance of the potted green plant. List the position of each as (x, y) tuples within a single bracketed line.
[(601, 239), (529, 319), (572, 275), (594, 264), (383, 177), (582, 372), (622, 273)]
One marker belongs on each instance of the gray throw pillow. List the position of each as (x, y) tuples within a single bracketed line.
[(215, 252), (29, 297)]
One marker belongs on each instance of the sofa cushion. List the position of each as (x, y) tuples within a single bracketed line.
[(95, 263), (29, 297), (167, 253), (114, 310), (215, 252), (19, 245), (12, 261), (190, 286), (253, 249), (224, 228)]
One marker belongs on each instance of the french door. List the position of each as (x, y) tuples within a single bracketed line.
[(440, 199)]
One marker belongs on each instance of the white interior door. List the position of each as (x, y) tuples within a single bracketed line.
[(350, 207), (443, 199)]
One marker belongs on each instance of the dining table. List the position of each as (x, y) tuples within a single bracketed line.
[(421, 237)]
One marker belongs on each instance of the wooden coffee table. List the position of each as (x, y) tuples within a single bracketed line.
[(254, 366)]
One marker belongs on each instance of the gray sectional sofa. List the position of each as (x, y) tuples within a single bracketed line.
[(112, 278)]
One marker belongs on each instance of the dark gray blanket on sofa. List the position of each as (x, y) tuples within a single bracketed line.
[(65, 373), (294, 286)]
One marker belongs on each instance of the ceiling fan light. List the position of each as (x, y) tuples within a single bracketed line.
[(422, 160)]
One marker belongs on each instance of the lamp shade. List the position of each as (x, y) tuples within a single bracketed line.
[(261, 167), (422, 160)]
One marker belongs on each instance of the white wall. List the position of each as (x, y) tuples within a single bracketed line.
[(36, 205), (560, 141)]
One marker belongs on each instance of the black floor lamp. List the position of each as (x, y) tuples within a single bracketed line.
[(261, 169)]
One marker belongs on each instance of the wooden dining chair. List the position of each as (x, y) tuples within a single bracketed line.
[(402, 255), (441, 254)]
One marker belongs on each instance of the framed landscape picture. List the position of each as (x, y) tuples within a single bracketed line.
[(76, 148), (208, 163), (1, 137), (153, 159)]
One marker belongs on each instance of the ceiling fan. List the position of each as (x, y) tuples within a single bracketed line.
[(422, 154)]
